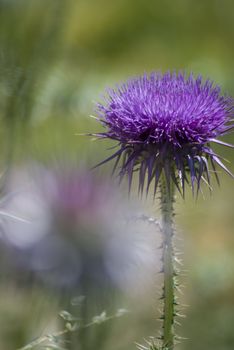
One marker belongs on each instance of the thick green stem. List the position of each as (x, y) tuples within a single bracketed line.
[(167, 199)]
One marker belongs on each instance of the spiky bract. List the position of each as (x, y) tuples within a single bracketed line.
[(165, 123)]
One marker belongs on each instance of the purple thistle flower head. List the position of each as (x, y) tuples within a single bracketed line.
[(165, 124)]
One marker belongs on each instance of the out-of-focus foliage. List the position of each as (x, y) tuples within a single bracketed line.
[(56, 58)]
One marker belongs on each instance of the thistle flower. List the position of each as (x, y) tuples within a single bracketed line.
[(164, 124)]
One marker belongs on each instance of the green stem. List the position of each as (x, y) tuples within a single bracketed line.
[(167, 199)]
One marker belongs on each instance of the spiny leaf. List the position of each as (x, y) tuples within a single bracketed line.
[(100, 318)]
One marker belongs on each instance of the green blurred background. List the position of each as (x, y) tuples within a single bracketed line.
[(56, 58)]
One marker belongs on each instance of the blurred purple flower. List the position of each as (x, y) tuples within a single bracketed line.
[(165, 123), (76, 232)]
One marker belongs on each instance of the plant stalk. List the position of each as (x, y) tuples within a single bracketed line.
[(167, 199)]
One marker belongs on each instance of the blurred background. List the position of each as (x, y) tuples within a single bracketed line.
[(67, 233)]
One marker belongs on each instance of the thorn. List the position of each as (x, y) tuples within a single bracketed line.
[(179, 290), (162, 297), (178, 253), (141, 347), (178, 261), (177, 337), (160, 337), (92, 116), (160, 311), (184, 305)]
